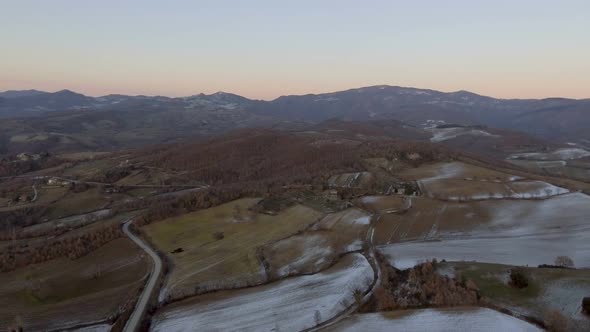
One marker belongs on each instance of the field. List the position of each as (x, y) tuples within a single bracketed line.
[(559, 154), (429, 219), (382, 204), (458, 181), (63, 293), (82, 156), (292, 304), (318, 248), (575, 169), (452, 319), (549, 289), (79, 203), (515, 233), (45, 195), (218, 245), (351, 180)]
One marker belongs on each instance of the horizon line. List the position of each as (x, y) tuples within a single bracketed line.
[(289, 95)]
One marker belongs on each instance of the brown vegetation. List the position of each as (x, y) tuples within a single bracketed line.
[(555, 321), (420, 287)]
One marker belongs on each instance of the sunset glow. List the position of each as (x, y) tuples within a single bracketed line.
[(264, 49)]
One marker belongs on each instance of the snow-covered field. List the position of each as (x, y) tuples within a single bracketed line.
[(443, 134), (515, 190), (451, 320), (559, 154), (313, 250), (519, 233), (289, 305), (566, 296), (455, 182)]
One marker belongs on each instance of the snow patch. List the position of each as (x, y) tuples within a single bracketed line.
[(455, 319), (443, 134)]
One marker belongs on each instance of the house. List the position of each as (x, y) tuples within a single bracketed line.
[(331, 194)]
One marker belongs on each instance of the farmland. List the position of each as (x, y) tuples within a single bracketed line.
[(95, 287), (255, 237), (319, 247), (222, 241), (293, 304)]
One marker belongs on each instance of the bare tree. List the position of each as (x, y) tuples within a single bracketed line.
[(564, 261)]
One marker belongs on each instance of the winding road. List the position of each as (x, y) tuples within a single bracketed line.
[(141, 305)]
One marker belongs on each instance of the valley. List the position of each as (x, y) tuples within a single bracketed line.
[(316, 229)]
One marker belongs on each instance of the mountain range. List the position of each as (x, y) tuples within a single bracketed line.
[(67, 117)]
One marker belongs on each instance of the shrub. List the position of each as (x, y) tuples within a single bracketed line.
[(518, 278), (358, 297), (218, 236), (564, 261), (555, 321), (317, 317), (586, 305)]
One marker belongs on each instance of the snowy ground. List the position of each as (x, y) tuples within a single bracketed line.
[(456, 319), (566, 296), (519, 233), (289, 305), (559, 154), (443, 134), (450, 181), (313, 251)]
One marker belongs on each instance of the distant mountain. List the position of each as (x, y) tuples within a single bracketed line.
[(20, 93), (34, 103), (559, 119), (553, 118)]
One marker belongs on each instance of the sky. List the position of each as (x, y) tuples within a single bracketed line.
[(264, 49)]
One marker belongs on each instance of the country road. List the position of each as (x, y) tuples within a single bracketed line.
[(141, 305)]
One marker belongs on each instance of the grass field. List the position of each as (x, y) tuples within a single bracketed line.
[(208, 259), (549, 289), (62, 293), (78, 203), (89, 169)]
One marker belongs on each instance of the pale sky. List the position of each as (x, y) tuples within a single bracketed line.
[(263, 49)]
